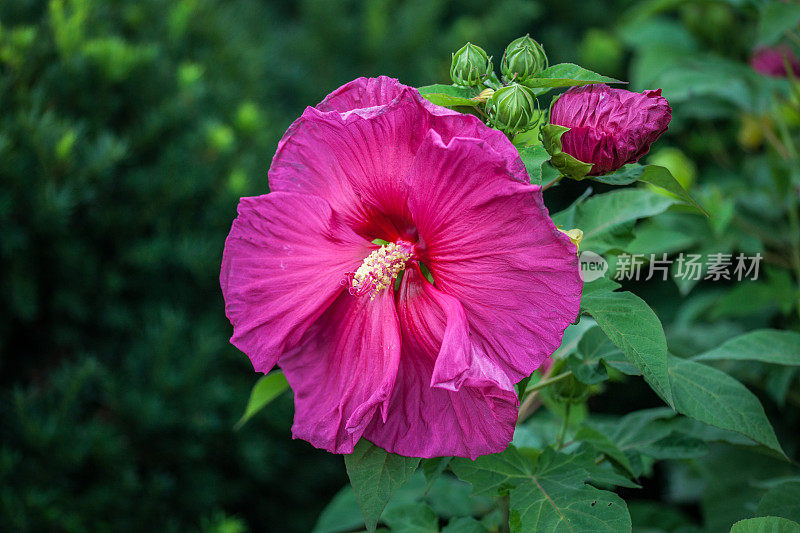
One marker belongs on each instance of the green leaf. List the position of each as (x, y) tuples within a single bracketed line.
[(566, 75), (766, 524), (596, 346), (604, 445), (493, 474), (557, 499), (714, 397), (412, 518), (464, 525), (553, 497), (607, 219), (655, 175), (777, 18), (782, 500), (661, 177), (433, 469), (635, 329), (266, 389), (375, 475), (764, 345), (534, 157), (449, 95), (622, 176), (341, 514)]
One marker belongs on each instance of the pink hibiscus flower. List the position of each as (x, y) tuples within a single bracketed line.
[(427, 370)]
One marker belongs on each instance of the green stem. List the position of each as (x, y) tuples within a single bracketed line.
[(548, 185), (549, 381), (529, 405), (563, 432)]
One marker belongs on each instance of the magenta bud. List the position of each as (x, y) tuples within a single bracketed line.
[(609, 127), (772, 61)]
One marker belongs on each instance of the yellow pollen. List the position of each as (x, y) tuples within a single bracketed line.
[(380, 268)]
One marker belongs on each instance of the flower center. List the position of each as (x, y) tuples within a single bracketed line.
[(379, 269)]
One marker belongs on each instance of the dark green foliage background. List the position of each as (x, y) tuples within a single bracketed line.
[(128, 131)]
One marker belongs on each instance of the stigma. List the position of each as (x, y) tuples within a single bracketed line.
[(379, 269)]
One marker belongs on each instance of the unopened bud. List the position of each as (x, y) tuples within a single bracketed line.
[(470, 66), (484, 95), (524, 58), (513, 109)]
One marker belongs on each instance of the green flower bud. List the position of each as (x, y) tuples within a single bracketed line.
[(570, 390), (513, 109), (524, 58), (470, 66)]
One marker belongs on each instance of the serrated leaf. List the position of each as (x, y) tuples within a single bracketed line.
[(412, 518), (766, 524), (493, 474), (557, 499), (449, 95), (782, 500), (764, 345), (714, 397), (553, 497), (375, 475), (534, 157), (636, 330), (566, 75), (266, 389), (607, 219)]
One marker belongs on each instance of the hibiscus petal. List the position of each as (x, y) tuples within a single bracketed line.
[(449, 398), (355, 146), (355, 161), (362, 93), (344, 370), (283, 262), (488, 240)]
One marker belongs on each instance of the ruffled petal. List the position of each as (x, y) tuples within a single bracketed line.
[(354, 148), (343, 371), (356, 162), (362, 93), (449, 399), (488, 241), (283, 262)]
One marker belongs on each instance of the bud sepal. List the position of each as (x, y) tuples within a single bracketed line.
[(523, 58)]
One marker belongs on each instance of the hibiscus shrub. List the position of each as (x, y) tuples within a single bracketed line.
[(458, 343)]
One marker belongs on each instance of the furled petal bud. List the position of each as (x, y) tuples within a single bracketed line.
[(773, 61), (470, 65), (524, 58), (608, 128), (513, 109)]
